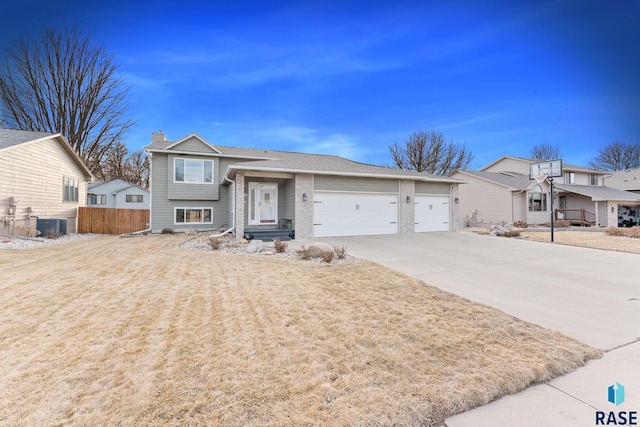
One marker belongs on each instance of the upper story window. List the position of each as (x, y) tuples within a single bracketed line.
[(98, 199), (537, 200), (70, 189), (593, 179), (134, 198), (193, 171), (569, 178)]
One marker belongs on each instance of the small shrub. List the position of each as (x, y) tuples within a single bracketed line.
[(215, 243), (167, 231), (520, 224), (51, 233), (304, 253), (26, 231), (633, 232), (511, 233), (280, 246), (327, 256), (341, 251)]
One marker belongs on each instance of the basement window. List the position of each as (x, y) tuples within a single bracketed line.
[(193, 216)]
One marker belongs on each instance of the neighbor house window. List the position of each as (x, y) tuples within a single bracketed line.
[(134, 198), (570, 178), (98, 199), (537, 200), (193, 171), (194, 216), (593, 179), (70, 190)]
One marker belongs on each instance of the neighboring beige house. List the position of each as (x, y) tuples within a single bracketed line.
[(502, 192), (267, 194), (117, 194), (41, 176)]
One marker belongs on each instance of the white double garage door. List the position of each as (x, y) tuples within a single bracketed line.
[(360, 214)]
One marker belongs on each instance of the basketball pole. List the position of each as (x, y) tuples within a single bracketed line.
[(552, 211)]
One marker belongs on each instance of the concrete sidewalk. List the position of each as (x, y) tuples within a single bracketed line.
[(587, 294)]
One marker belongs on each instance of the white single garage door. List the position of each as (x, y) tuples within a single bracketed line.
[(354, 214), (432, 213)]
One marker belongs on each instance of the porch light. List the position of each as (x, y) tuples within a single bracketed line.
[(408, 199), (456, 200), (304, 197), (612, 209)]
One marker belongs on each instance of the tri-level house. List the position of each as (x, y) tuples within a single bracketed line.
[(503, 192), (266, 194)]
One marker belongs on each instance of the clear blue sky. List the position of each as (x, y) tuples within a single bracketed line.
[(352, 77)]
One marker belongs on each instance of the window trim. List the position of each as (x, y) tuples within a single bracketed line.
[(128, 198), (70, 190), (95, 198), (175, 215), (569, 177), (543, 199), (185, 159)]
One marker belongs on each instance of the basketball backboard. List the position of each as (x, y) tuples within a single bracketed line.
[(550, 168)]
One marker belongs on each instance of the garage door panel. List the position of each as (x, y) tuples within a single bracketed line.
[(432, 213), (354, 214)]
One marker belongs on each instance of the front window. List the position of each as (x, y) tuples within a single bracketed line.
[(98, 199), (537, 200), (194, 216), (193, 171), (593, 179), (134, 198), (70, 189), (570, 178)]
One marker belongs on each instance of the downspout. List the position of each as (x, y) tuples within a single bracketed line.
[(233, 210)]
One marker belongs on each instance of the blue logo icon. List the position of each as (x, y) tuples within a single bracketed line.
[(616, 394)]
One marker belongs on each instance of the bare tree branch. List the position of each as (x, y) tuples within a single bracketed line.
[(617, 156), (545, 151), (427, 151), (59, 81)]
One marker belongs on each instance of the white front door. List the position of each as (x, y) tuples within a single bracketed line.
[(263, 203)]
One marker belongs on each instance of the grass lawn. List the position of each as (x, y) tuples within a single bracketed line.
[(137, 331), (588, 239)]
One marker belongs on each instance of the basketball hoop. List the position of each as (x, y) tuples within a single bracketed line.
[(540, 178)]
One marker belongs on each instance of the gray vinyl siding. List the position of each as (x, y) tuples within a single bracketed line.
[(34, 173), (520, 206), (191, 191), (432, 187), (342, 183), (195, 145)]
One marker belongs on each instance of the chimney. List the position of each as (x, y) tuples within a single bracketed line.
[(158, 137)]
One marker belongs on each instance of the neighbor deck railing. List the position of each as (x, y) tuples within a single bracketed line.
[(576, 216)]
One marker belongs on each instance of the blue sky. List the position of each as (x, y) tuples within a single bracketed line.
[(351, 78)]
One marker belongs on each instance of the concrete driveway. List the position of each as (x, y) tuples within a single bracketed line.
[(588, 294)]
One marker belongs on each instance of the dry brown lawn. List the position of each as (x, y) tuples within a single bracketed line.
[(588, 239), (137, 332)]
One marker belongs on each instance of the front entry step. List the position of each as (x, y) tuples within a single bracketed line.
[(270, 235)]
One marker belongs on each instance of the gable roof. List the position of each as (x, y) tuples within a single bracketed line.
[(124, 185), (599, 193), (11, 138), (565, 166), (288, 161), (512, 180), (624, 180)]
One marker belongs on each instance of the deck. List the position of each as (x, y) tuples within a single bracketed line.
[(580, 217)]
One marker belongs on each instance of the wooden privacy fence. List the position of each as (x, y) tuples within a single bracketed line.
[(112, 221)]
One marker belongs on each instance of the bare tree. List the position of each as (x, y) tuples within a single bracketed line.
[(119, 163), (545, 151), (59, 81), (617, 156), (427, 151)]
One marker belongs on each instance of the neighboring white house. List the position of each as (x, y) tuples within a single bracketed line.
[(118, 194), (502, 192), (41, 176), (267, 194)]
